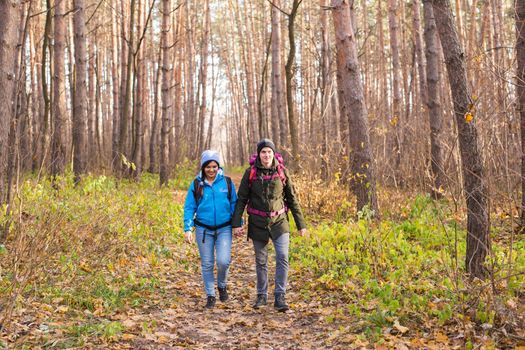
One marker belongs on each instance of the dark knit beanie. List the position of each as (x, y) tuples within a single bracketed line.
[(265, 143)]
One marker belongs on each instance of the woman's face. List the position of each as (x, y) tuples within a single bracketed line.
[(266, 156), (210, 171)]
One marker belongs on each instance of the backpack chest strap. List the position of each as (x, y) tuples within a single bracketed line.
[(267, 214)]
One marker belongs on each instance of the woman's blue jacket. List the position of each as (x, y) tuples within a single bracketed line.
[(214, 208)]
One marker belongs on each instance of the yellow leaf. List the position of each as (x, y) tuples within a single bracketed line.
[(394, 121), (128, 336), (469, 117), (84, 267)]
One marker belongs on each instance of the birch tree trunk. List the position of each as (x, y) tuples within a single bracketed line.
[(80, 99), (476, 192), (362, 180), (58, 151)]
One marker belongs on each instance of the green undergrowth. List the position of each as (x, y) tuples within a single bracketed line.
[(410, 270), (94, 249), (90, 251)]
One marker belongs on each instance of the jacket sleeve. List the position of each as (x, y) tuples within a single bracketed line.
[(293, 203), (242, 199), (190, 207)]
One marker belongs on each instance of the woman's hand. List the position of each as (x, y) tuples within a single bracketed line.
[(302, 232), (188, 236)]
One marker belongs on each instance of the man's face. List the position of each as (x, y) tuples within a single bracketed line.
[(266, 156)]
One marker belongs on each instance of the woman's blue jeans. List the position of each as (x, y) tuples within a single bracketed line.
[(281, 245), (217, 243)]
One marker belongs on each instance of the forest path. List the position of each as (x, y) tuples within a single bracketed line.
[(185, 323)]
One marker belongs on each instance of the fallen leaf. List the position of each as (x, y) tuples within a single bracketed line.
[(128, 336), (62, 309), (442, 338), (401, 329), (128, 323), (401, 346), (163, 339)]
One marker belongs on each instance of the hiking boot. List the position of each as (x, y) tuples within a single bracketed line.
[(210, 302), (223, 294), (280, 303), (261, 301)]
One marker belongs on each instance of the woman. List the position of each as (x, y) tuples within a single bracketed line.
[(209, 206), (268, 191)]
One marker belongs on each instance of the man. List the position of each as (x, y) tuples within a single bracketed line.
[(268, 191)]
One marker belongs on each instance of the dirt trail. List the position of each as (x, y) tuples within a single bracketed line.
[(231, 325)]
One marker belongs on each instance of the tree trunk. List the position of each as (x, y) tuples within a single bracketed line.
[(80, 99), (203, 76), (166, 94), (139, 98), (520, 87), (277, 87), (126, 103), (153, 144), (325, 89), (292, 120), (58, 152), (251, 81), (45, 69), (395, 118), (362, 178), (476, 192), (435, 113), (419, 51), (190, 124), (115, 89)]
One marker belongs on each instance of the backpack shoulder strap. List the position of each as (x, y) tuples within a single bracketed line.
[(197, 190), (229, 183), (253, 175), (280, 167)]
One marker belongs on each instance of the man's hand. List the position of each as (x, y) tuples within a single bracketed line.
[(238, 231), (302, 232), (188, 236)]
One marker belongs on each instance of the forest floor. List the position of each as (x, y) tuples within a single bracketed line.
[(106, 268), (174, 317)]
